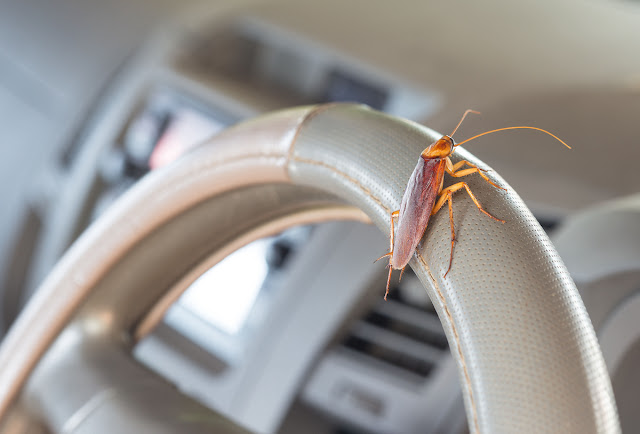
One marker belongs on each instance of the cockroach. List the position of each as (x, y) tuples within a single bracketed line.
[(425, 185)]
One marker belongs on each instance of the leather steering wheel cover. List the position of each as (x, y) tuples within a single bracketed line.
[(527, 354)]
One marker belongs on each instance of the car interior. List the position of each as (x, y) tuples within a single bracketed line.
[(194, 196)]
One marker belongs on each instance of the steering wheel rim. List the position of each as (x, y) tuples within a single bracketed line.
[(526, 352)]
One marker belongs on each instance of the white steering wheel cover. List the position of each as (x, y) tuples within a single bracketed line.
[(527, 354)]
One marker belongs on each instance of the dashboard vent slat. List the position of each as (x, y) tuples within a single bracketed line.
[(414, 365), (400, 332)]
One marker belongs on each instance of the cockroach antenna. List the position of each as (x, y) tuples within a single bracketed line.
[(512, 128), (460, 123)]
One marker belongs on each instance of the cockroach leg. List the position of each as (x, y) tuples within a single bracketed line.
[(394, 214), (392, 235), (462, 163), (386, 292), (455, 187), (446, 195), (457, 173), (441, 200), (453, 232), (383, 256)]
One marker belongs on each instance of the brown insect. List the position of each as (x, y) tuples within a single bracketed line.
[(424, 186)]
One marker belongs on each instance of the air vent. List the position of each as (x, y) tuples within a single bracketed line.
[(403, 332)]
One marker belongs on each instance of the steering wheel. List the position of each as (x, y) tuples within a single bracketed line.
[(526, 352)]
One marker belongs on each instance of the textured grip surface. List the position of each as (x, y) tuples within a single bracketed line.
[(527, 353)]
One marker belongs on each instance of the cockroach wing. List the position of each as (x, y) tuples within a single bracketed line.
[(415, 209)]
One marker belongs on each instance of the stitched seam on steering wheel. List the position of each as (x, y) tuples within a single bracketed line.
[(344, 175), (367, 192), (467, 379), (314, 112)]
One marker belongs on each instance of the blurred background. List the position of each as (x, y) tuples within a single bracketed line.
[(93, 95)]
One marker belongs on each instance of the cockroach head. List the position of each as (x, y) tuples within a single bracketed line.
[(441, 148)]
